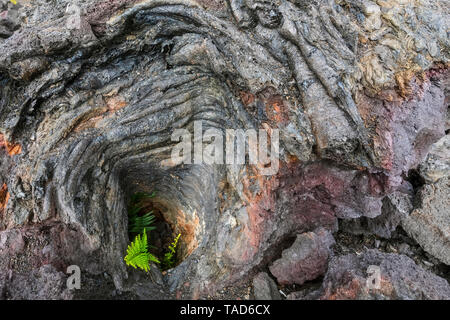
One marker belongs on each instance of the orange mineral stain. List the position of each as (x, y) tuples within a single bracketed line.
[(115, 103), (4, 196), (12, 148), (112, 105)]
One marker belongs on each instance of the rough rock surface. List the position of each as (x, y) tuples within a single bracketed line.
[(401, 279), (437, 163), (265, 288), (396, 207), (429, 223), (43, 283), (305, 260), (91, 93)]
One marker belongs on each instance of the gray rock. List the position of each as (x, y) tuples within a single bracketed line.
[(429, 223), (437, 163), (264, 288), (9, 18), (396, 207)]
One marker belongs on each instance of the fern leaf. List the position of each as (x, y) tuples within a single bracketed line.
[(169, 260), (138, 255), (138, 224), (142, 224)]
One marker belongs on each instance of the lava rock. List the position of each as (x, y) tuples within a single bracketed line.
[(305, 260), (349, 277), (437, 163), (429, 223), (265, 288), (9, 18), (43, 283), (396, 207)]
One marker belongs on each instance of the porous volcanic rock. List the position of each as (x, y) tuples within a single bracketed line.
[(347, 279), (265, 288), (305, 260), (429, 223), (437, 163)]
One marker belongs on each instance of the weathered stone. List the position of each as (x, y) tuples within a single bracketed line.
[(429, 223), (43, 283), (406, 129), (11, 241), (437, 163), (264, 288), (396, 207), (348, 278), (305, 260), (9, 18)]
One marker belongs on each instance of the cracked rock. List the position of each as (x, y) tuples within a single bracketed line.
[(429, 223)]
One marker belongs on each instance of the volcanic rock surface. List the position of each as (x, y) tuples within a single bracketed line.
[(401, 278), (92, 91), (305, 260)]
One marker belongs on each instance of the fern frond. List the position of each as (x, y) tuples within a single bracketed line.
[(137, 197), (133, 211), (169, 260), (138, 224), (138, 255), (173, 246), (142, 224)]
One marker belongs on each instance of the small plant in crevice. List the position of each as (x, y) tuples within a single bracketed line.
[(169, 258), (138, 255), (143, 225), (139, 224), (136, 223)]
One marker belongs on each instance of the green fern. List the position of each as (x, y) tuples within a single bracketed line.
[(142, 224), (138, 224), (169, 257), (138, 255)]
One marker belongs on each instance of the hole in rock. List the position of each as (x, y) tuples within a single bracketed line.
[(161, 238), (275, 251), (168, 219), (176, 206), (145, 214), (415, 179)]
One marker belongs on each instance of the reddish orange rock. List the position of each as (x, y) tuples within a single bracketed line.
[(12, 148), (4, 196)]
